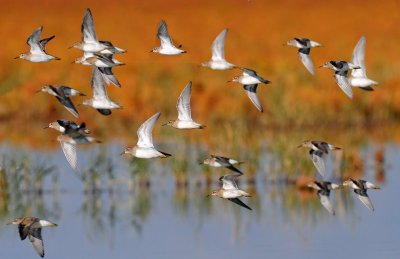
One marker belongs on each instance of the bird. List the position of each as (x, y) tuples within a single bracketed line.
[(111, 49), (360, 187), (318, 150), (250, 80), (304, 46), (341, 69), (218, 61), (220, 161), (184, 120), (68, 142), (323, 191), (230, 190), (98, 60), (67, 126), (145, 147), (109, 77), (63, 94), (31, 227), (89, 42), (37, 52), (359, 77), (100, 100), (167, 47)]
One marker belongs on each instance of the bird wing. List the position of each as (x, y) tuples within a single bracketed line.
[(324, 199), (34, 41), (67, 103), (239, 202), (358, 59), (43, 42), (318, 159), (145, 131), (228, 181), (217, 48), (69, 151), (251, 91), (343, 83), (183, 105), (163, 35), (108, 76), (97, 83), (87, 28), (35, 236), (23, 231), (364, 198), (252, 73), (306, 60)]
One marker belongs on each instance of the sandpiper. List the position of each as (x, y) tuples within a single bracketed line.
[(220, 161), (184, 120), (109, 76), (37, 52), (250, 80), (145, 147), (100, 100), (98, 60), (63, 94), (167, 47), (360, 187), (89, 42), (341, 69), (111, 49), (68, 127), (318, 150), (68, 142), (324, 189), (31, 227), (230, 190), (359, 77), (304, 45), (218, 61)]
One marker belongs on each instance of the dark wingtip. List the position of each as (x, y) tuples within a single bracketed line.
[(165, 154)]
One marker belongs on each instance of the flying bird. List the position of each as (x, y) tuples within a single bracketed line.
[(184, 120), (167, 47), (360, 187), (304, 46), (220, 161), (250, 80), (145, 147), (318, 150), (323, 192), (218, 61), (37, 52), (230, 190), (31, 227)]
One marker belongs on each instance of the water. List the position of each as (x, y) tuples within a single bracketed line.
[(144, 213)]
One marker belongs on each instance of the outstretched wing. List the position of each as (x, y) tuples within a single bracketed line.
[(43, 42), (306, 59), (35, 236), (251, 91), (239, 202), (144, 133), (34, 41), (70, 154), (87, 28), (358, 59), (97, 83), (364, 198), (163, 35), (109, 76), (229, 181), (318, 159), (217, 48), (324, 199), (344, 84), (183, 105), (67, 103)]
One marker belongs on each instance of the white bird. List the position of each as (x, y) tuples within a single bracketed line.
[(37, 52), (167, 47), (359, 77), (324, 189), (250, 80), (341, 69), (360, 187), (100, 100), (68, 127), (145, 147), (98, 60), (221, 161), (218, 61), (318, 150), (89, 43), (230, 190), (184, 120), (304, 45)]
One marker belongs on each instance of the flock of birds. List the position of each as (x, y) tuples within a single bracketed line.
[(99, 54)]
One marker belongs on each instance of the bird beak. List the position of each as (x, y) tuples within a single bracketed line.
[(165, 124), (9, 223), (201, 162), (150, 51), (38, 91), (229, 81), (299, 146), (46, 127), (53, 225), (123, 153), (16, 57)]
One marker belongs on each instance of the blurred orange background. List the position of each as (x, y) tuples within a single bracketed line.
[(150, 82)]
